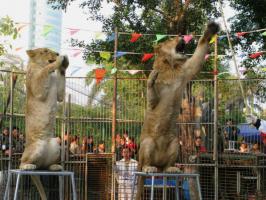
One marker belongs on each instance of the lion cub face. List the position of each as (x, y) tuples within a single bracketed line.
[(42, 56)]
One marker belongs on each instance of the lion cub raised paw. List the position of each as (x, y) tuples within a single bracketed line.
[(173, 170), (149, 169)]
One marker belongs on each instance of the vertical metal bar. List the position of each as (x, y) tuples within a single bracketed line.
[(73, 187), (199, 188), (152, 187), (17, 186), (7, 186), (164, 188), (114, 108), (238, 182), (61, 182), (215, 135), (12, 77), (133, 187), (177, 188)]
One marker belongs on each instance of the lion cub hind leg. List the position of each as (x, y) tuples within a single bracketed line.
[(55, 167), (149, 169), (172, 170), (25, 166)]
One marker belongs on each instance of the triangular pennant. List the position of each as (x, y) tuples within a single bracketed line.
[(105, 55), (135, 37), (159, 37), (264, 33), (119, 54), (114, 70), (240, 34), (242, 55), (21, 27), (213, 39), (206, 56), (46, 30), (187, 38), (256, 55), (221, 37), (99, 36), (147, 56), (133, 72), (99, 75), (76, 53), (242, 69), (72, 31), (108, 67), (263, 69), (18, 49), (111, 37)]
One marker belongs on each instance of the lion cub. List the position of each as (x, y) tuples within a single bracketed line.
[(172, 70), (45, 85)]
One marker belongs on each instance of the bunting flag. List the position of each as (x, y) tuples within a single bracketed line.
[(114, 70), (242, 69), (242, 55), (110, 37), (99, 75), (76, 53), (21, 27), (105, 55), (159, 37), (206, 56), (72, 31), (99, 36), (263, 69), (135, 37), (108, 67), (18, 49), (240, 34), (46, 30), (264, 33), (187, 38), (221, 37), (133, 72), (119, 54), (213, 39), (147, 56), (256, 55)]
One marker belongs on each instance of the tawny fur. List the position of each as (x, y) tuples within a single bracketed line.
[(171, 72), (45, 85)]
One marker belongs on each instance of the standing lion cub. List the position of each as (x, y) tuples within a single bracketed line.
[(45, 85), (172, 70)]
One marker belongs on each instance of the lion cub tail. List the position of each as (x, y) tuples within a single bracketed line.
[(36, 180)]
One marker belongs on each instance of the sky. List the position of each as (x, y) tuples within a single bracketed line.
[(19, 11)]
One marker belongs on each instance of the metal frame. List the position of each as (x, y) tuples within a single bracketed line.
[(20, 173), (165, 175)]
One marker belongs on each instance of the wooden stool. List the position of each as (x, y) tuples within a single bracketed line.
[(20, 173)]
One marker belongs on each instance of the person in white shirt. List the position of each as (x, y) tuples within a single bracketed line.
[(124, 175)]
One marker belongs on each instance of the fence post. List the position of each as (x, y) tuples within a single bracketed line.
[(215, 136)]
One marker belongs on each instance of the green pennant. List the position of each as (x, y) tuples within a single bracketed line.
[(159, 37), (105, 55), (108, 67), (46, 30), (263, 69), (114, 70), (264, 33)]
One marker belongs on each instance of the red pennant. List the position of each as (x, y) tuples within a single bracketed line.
[(135, 37), (72, 31), (147, 56), (240, 34), (256, 55), (19, 48), (99, 75), (76, 53)]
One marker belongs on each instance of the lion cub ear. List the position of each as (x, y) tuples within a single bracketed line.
[(30, 53)]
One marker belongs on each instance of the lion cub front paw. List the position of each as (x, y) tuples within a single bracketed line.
[(149, 169), (55, 167), (27, 167), (173, 170)]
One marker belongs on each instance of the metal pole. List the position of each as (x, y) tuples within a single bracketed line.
[(215, 136), (12, 78), (114, 109)]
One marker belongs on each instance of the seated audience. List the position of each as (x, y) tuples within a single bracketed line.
[(74, 147), (255, 148), (100, 148), (84, 145), (90, 144), (198, 146)]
